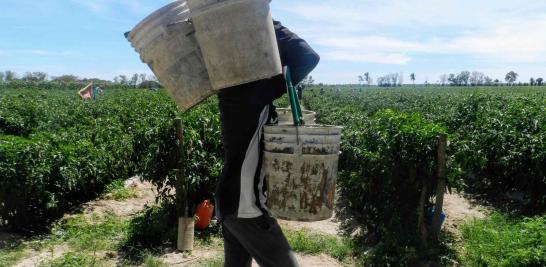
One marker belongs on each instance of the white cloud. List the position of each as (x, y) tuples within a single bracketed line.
[(395, 31), (381, 58)]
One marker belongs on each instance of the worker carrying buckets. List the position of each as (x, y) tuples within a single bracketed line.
[(233, 48)]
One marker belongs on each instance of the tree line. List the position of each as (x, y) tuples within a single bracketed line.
[(463, 78), (137, 80)]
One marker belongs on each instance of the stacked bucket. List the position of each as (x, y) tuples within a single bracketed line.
[(198, 47), (285, 116), (301, 165)]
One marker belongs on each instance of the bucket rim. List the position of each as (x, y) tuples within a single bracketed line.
[(309, 126), (200, 10), (169, 7), (277, 154), (305, 112)]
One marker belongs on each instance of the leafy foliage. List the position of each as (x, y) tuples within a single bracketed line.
[(57, 151), (497, 135)]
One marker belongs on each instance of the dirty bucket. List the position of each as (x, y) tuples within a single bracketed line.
[(301, 165), (173, 54), (285, 116), (152, 26), (237, 39)]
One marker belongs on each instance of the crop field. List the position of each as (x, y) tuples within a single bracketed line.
[(57, 151), (497, 135)]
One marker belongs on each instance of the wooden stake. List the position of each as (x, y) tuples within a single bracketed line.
[(440, 188), (185, 220)]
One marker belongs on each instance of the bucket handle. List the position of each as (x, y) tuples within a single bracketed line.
[(297, 115)]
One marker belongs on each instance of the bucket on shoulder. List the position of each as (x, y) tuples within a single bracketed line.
[(166, 42), (237, 39)]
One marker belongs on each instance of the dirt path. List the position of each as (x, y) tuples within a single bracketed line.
[(459, 210), (146, 194), (329, 227), (35, 258), (102, 206)]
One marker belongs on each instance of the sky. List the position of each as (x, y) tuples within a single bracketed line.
[(425, 37)]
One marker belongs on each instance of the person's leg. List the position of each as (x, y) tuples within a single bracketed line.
[(263, 239), (235, 255)]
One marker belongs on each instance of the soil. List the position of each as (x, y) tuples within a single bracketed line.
[(179, 259), (329, 227), (35, 258), (460, 210), (312, 261), (146, 194)]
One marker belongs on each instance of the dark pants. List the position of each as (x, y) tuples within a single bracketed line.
[(259, 238)]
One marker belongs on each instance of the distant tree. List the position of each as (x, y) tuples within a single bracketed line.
[(360, 80), (10, 76), (476, 78), (35, 76), (149, 84), (487, 81), (394, 78), (452, 79), (367, 78), (152, 78), (463, 78), (497, 82), (412, 77), (66, 78), (443, 79), (400, 79), (511, 77), (539, 81), (134, 80), (123, 80), (532, 81), (1, 76), (382, 81), (142, 77)]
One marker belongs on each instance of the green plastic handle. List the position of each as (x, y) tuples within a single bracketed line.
[(297, 114)]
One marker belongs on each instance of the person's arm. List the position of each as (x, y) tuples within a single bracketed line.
[(295, 53)]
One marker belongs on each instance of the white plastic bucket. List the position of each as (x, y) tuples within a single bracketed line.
[(166, 42), (285, 116), (301, 171), (153, 25), (237, 39)]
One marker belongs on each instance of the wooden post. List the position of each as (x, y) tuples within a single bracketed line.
[(440, 188), (185, 220)]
